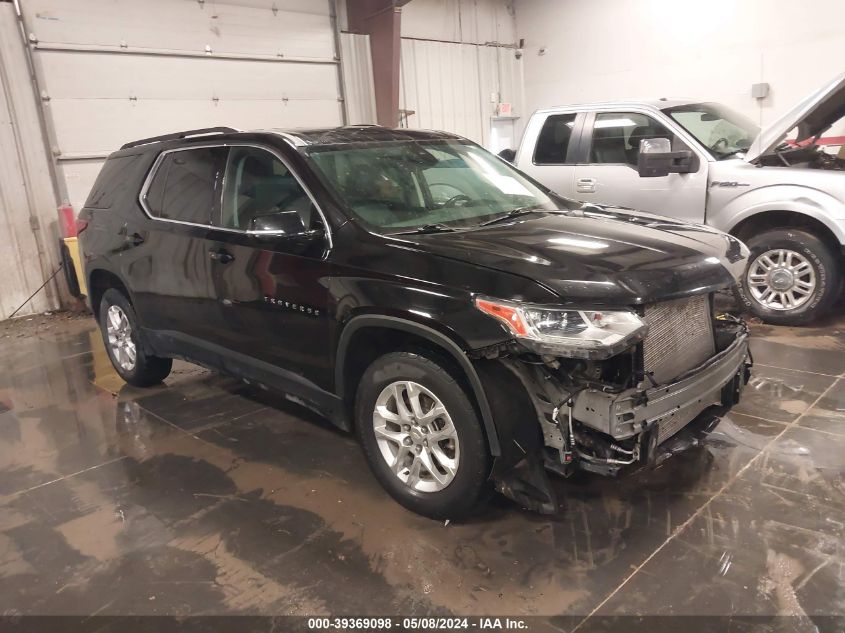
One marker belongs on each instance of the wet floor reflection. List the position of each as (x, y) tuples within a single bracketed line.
[(206, 496)]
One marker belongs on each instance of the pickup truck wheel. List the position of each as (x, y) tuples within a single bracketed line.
[(421, 436), (792, 277), (120, 331)]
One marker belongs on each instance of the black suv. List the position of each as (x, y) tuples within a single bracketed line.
[(474, 329)]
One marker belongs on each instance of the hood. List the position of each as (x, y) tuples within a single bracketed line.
[(812, 116), (600, 256)]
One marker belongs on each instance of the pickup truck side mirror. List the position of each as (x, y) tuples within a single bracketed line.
[(656, 159)]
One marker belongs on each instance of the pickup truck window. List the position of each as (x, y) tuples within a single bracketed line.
[(719, 129), (553, 140), (617, 135)]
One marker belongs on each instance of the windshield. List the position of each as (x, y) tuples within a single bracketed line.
[(721, 130), (404, 185)]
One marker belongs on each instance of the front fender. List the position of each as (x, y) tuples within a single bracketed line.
[(435, 337), (809, 201)]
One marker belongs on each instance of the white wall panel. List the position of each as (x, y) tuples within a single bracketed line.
[(27, 196), (450, 86), (117, 70), (359, 91), (297, 28), (607, 50), (82, 75), (120, 121), (471, 21), (440, 82)]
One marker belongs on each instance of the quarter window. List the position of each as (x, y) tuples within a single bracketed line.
[(257, 183), (553, 141), (184, 185), (617, 136)]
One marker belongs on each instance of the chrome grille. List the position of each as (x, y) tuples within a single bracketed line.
[(680, 337)]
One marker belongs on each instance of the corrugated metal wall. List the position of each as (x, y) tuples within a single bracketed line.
[(118, 70), (467, 21), (451, 86), (359, 92), (459, 61), (28, 251)]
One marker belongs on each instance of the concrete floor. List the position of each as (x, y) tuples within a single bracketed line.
[(205, 496)]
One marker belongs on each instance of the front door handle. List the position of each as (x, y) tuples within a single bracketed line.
[(221, 255), (586, 185)]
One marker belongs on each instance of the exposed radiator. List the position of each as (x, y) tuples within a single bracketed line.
[(680, 337)]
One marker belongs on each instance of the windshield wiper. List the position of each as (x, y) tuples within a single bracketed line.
[(513, 213), (428, 228)]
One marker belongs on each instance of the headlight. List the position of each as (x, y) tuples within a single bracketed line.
[(595, 334)]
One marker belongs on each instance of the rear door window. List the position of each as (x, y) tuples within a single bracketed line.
[(184, 188), (555, 140)]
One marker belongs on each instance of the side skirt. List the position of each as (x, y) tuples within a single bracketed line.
[(171, 344)]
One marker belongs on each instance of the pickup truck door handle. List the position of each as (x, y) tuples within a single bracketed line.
[(585, 185), (221, 255)]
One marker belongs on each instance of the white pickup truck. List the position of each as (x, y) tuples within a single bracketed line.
[(704, 163)]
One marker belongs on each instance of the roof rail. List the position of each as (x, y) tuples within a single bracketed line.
[(178, 135)]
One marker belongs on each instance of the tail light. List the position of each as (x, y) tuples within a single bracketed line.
[(68, 227)]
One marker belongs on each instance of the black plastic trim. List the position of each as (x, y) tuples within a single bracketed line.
[(173, 344)]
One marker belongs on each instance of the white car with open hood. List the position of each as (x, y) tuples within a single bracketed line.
[(702, 162)]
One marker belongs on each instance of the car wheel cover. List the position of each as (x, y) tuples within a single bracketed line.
[(119, 332), (781, 279), (416, 436)]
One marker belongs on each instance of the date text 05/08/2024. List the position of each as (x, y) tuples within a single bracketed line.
[(417, 623)]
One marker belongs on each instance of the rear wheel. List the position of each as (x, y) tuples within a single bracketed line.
[(421, 436), (792, 277), (119, 327)]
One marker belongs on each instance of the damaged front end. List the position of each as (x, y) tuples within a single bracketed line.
[(604, 414)]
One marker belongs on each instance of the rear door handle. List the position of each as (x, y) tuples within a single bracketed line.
[(134, 239), (586, 185), (221, 255)]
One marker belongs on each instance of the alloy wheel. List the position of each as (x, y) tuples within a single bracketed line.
[(416, 436), (781, 279), (119, 332)]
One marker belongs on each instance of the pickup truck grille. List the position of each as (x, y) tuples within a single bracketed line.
[(680, 337)]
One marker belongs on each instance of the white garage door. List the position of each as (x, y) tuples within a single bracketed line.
[(112, 71)]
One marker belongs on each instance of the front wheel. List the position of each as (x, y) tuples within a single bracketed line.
[(792, 278), (421, 436)]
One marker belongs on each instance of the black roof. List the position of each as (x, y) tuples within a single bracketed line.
[(363, 134)]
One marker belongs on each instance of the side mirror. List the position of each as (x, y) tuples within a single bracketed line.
[(508, 155), (656, 159), (285, 226), (281, 224)]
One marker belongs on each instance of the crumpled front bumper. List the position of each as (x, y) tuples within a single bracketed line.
[(623, 428), (667, 407)]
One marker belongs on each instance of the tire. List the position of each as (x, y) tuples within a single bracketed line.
[(467, 487), (801, 247), (143, 370)]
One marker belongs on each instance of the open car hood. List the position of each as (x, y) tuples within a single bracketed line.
[(812, 116)]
